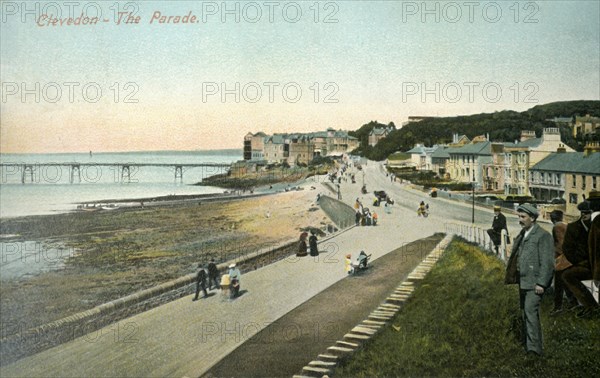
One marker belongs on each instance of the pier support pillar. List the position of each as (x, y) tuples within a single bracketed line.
[(75, 170), (179, 173)]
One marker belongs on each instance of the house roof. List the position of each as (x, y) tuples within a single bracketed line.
[(533, 142), (441, 153), (419, 150), (570, 162), (483, 148)]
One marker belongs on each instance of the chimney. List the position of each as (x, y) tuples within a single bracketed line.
[(561, 149), (527, 134), (590, 148)]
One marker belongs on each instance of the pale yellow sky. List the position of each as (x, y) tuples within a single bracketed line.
[(367, 56)]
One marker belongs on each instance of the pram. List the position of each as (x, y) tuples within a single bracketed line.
[(361, 263)]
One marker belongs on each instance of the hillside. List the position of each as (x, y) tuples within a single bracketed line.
[(501, 126)]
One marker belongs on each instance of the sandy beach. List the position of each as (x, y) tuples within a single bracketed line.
[(109, 254)]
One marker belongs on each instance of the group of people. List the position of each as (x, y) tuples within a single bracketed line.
[(360, 263), (571, 255), (229, 283), (577, 258), (312, 244), (363, 216)]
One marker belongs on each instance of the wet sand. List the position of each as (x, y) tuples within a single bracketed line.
[(110, 254)]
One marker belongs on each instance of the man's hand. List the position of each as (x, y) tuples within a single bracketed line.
[(539, 290)]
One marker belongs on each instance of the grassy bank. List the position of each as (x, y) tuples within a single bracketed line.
[(463, 321)]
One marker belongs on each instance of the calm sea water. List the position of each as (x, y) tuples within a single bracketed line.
[(52, 192)]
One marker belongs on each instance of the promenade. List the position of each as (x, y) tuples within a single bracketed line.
[(186, 338)]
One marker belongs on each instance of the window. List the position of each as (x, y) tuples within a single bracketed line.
[(594, 184), (574, 180), (573, 198), (583, 180)]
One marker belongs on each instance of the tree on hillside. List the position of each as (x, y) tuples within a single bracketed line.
[(502, 126)]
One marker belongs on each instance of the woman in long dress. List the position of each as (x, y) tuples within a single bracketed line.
[(302, 245), (312, 242)]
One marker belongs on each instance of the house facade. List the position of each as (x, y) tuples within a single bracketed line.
[(521, 156), (379, 133), (254, 146), (466, 163), (566, 175), (587, 125), (298, 148)]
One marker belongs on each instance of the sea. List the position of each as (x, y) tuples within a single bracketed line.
[(49, 189)]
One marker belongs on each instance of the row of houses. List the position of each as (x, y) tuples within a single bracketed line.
[(542, 167), (581, 126), (297, 148)]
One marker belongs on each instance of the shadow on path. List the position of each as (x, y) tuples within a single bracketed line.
[(288, 344)]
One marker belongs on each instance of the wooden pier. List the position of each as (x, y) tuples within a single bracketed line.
[(29, 172)]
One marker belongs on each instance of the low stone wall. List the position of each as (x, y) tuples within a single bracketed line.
[(340, 213), (17, 343)]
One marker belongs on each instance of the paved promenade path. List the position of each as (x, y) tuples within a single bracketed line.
[(185, 338), (290, 343)]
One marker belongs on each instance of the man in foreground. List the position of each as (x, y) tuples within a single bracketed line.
[(531, 265)]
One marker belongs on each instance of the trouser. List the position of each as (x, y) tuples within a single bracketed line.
[(494, 236), (560, 289), (235, 288), (200, 286), (532, 328), (214, 280), (572, 278)]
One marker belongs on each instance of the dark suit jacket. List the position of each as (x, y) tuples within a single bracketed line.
[(594, 248), (575, 245), (499, 223)]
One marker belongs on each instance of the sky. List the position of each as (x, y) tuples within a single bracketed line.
[(276, 66)]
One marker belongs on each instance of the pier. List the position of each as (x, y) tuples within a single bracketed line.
[(30, 173)]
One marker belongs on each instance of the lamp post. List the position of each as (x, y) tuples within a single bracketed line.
[(473, 202)]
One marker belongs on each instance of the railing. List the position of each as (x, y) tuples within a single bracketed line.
[(480, 237)]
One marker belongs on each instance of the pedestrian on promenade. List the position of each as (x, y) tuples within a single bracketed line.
[(225, 286), (498, 224), (235, 278), (375, 218), (387, 208), (560, 263), (312, 241), (302, 245), (576, 250), (348, 264), (200, 282), (531, 265), (213, 274)]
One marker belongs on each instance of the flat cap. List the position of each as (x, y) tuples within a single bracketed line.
[(529, 209), (497, 208)]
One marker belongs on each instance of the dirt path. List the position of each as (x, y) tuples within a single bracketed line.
[(285, 346)]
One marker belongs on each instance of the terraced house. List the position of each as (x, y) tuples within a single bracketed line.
[(567, 175), (297, 148)]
